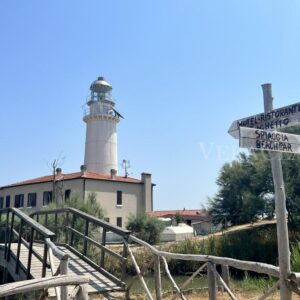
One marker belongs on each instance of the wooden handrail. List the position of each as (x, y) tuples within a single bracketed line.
[(85, 216), (88, 223), (239, 264), (45, 232), (56, 252), (112, 253), (41, 283), (62, 293)]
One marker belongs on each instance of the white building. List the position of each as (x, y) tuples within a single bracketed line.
[(118, 196)]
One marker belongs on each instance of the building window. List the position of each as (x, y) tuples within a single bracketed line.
[(119, 198), (67, 194), (31, 201), (47, 197), (7, 201), (19, 200), (119, 221), (1, 202)]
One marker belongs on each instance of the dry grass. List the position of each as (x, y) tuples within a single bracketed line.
[(249, 295), (239, 295)]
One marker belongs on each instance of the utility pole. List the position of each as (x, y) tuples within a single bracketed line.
[(280, 207)]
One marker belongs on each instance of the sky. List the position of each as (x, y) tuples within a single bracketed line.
[(182, 71)]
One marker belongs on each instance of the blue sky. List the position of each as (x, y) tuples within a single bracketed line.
[(182, 71)]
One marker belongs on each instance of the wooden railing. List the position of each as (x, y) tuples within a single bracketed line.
[(29, 286), (22, 229), (76, 230), (62, 269), (213, 276)]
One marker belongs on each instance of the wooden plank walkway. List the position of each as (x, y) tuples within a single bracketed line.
[(98, 282)]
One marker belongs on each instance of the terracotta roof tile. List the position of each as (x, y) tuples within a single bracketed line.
[(77, 175)]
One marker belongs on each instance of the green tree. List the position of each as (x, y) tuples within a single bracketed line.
[(244, 189), (145, 227), (291, 174)]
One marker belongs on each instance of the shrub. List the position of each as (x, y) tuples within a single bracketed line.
[(179, 218), (295, 258), (145, 227), (90, 206)]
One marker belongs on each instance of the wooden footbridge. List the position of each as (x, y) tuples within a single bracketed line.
[(31, 251), (64, 252)]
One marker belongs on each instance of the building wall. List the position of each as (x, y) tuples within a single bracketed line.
[(39, 189), (106, 192), (136, 197)]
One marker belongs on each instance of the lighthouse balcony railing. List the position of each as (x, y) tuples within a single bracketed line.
[(97, 111)]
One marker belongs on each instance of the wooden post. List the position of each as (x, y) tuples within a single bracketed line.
[(44, 260), (19, 246), (46, 219), (4, 279), (55, 224), (86, 233), (225, 274), (64, 265), (157, 277), (138, 271), (11, 234), (83, 293), (212, 286), (124, 263), (38, 220), (179, 292), (72, 226), (30, 252), (102, 251), (222, 282), (280, 207), (6, 233), (67, 226)]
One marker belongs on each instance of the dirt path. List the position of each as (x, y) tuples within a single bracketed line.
[(238, 228)]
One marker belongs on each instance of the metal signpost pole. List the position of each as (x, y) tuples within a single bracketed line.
[(280, 205)]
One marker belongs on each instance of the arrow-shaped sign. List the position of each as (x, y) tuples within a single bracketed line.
[(286, 116), (259, 139)]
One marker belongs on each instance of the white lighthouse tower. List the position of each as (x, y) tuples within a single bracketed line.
[(101, 129)]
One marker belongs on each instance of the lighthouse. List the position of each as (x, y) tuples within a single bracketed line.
[(101, 120)]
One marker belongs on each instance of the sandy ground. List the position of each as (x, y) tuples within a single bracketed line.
[(250, 295)]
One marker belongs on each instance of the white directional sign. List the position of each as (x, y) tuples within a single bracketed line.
[(278, 118), (254, 138)]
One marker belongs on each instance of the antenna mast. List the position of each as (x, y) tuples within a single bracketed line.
[(126, 166)]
